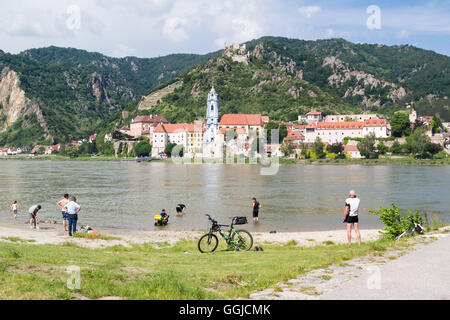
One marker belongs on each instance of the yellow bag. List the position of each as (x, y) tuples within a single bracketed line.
[(158, 218)]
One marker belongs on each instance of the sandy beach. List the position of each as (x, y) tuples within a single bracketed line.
[(53, 234)]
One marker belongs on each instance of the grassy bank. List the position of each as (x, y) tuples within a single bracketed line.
[(161, 272), (385, 161)]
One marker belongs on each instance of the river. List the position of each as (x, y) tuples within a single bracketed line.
[(298, 198)]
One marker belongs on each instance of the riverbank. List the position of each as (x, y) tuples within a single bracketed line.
[(52, 234), (380, 161)]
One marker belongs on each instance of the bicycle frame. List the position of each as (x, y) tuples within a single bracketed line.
[(217, 228)]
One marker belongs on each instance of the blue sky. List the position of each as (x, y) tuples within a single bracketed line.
[(150, 28)]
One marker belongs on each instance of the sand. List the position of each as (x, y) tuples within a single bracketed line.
[(53, 234)]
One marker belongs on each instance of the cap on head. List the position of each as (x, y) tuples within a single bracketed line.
[(352, 193)]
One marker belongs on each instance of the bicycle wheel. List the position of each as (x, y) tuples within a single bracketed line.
[(208, 243), (243, 240)]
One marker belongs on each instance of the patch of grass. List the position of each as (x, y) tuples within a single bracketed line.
[(328, 243), (325, 277), (167, 273), (16, 239), (84, 235), (291, 243)]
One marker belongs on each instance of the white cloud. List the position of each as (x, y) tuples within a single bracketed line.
[(309, 11), (176, 29)]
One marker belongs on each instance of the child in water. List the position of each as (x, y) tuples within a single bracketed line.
[(15, 209)]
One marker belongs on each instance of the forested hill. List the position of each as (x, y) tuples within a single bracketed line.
[(283, 78), (58, 94)]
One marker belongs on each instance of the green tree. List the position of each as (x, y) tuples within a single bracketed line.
[(418, 142), (71, 152), (143, 149), (282, 131), (41, 150), (337, 148), (382, 148), (367, 147), (317, 148), (287, 147), (436, 124), (168, 149), (400, 124), (396, 148), (433, 148)]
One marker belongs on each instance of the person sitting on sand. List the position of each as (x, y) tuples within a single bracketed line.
[(61, 204), (351, 216), (33, 215), (15, 209)]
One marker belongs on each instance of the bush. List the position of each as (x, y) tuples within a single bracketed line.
[(394, 223), (440, 155), (143, 149)]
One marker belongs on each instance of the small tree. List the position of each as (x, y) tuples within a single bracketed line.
[(317, 148), (337, 148), (367, 147), (72, 152), (418, 142), (396, 148), (41, 150), (382, 148), (143, 149), (433, 148), (287, 148), (400, 124), (168, 149)]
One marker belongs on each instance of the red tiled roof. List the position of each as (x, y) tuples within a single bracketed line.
[(294, 135), (150, 119), (340, 125), (375, 123), (172, 128), (349, 148), (314, 112), (265, 119), (241, 119)]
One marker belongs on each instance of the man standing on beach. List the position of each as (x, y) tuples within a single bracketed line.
[(72, 209), (33, 215), (256, 207), (61, 204), (351, 216)]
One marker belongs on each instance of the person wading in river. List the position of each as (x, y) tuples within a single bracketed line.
[(61, 204), (256, 206), (351, 216)]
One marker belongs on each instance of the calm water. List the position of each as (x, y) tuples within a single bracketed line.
[(298, 198)]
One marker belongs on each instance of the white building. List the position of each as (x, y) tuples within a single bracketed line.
[(350, 117)]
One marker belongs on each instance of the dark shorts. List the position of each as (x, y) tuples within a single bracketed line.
[(32, 216), (255, 214), (64, 215), (352, 219)]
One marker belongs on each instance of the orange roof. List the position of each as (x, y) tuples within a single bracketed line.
[(265, 119), (294, 135), (150, 119), (173, 128), (350, 148), (241, 119), (314, 112), (340, 125), (375, 123)]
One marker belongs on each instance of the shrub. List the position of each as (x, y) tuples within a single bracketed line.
[(394, 223)]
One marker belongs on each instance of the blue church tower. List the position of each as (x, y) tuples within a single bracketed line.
[(212, 118)]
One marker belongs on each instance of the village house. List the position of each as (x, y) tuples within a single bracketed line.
[(249, 122), (189, 135), (144, 126), (352, 151), (312, 117), (3, 152)]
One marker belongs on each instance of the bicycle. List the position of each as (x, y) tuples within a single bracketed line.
[(239, 240), (417, 228)]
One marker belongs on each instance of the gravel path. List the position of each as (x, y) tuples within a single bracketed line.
[(420, 273)]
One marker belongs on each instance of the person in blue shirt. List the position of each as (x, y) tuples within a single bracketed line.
[(72, 209)]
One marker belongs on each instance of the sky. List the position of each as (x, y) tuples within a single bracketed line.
[(152, 28)]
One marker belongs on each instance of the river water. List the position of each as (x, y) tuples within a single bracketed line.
[(297, 198)]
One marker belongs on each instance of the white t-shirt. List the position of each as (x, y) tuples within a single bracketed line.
[(72, 207), (32, 209), (353, 203)]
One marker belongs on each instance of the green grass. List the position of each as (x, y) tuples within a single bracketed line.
[(168, 272), (16, 239)]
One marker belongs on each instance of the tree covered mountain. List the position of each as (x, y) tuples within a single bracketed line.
[(283, 78), (58, 94)]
